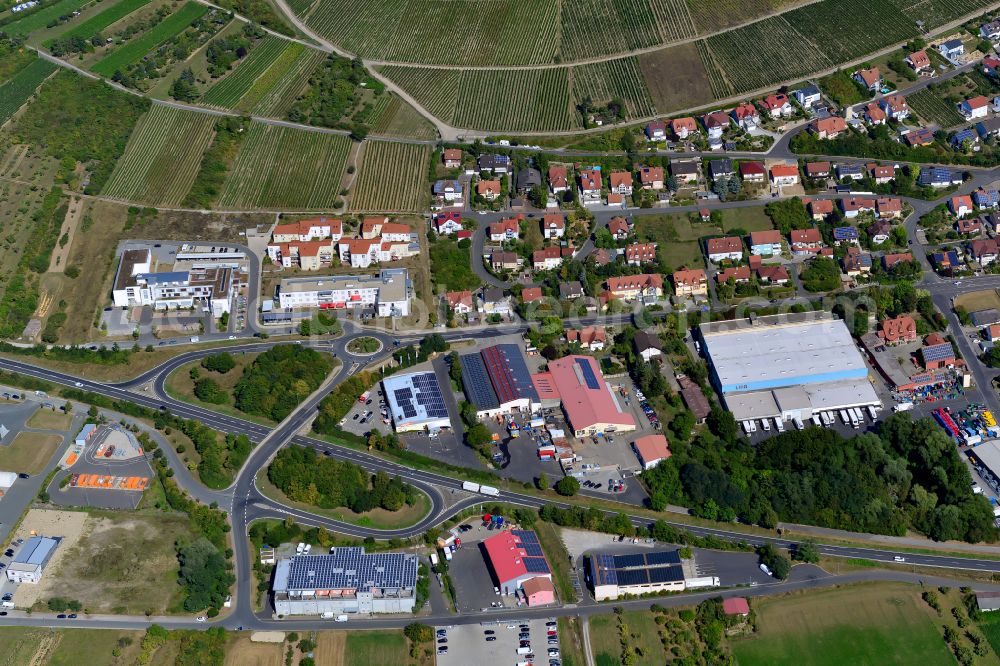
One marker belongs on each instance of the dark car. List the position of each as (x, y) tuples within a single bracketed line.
[(355, 417), (61, 616), (327, 453), (441, 641), (72, 616), (489, 632), (9, 553), (22, 475), (2, 613), (490, 639)]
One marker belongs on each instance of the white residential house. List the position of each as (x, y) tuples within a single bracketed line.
[(974, 107)]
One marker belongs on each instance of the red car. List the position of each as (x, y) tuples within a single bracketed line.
[(110, 451)]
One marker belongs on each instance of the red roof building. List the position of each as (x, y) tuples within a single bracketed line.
[(901, 329), (640, 253), (531, 294), (651, 450), (753, 171), (736, 606), (586, 399), (510, 562), (682, 127)]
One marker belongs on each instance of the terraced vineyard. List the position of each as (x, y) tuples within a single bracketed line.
[(272, 77), (132, 51), (926, 104), (282, 167), (40, 18), (498, 32), (227, 92), (717, 81), (19, 89), (847, 29), (435, 89), (614, 79), (102, 20), (758, 55), (938, 12), (392, 178), (278, 97), (600, 27), (158, 167)]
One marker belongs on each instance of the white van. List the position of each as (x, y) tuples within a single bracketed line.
[(779, 425), (872, 413), (844, 417), (340, 618), (766, 425), (746, 427)]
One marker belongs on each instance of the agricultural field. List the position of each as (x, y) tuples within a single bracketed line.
[(69, 647), (756, 55), (227, 92), (95, 24), (133, 50), (613, 79), (933, 109), (676, 77), (392, 178), (274, 93), (938, 12), (41, 18), (496, 32), (600, 27), (394, 117), (435, 89), (711, 17), (19, 89), (881, 623), (515, 100), (162, 157), (281, 167), (847, 29)]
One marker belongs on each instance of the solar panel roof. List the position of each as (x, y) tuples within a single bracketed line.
[(533, 549), (588, 374), (415, 397), (633, 576), (525, 536), (348, 568), (625, 561), (476, 381), (665, 574), (536, 565), (938, 352), (664, 557)]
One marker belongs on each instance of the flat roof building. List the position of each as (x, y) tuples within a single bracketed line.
[(613, 576), (31, 560), (515, 557), (497, 381), (415, 402), (348, 580), (589, 403), (786, 366), (386, 294)]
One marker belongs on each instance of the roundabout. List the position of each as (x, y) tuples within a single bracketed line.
[(364, 345)]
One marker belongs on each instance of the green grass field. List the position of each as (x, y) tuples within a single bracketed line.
[(162, 157), (41, 18), (226, 93), (392, 178), (281, 167), (134, 50), (865, 624), (365, 648), (99, 22), (606, 645), (20, 88)]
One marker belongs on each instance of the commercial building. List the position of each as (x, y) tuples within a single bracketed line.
[(651, 450), (590, 405), (415, 402), (515, 557), (614, 576), (539, 591), (85, 434), (135, 285), (786, 366), (386, 294), (348, 580), (31, 559), (497, 381)]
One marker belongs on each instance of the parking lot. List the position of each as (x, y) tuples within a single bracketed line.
[(469, 644)]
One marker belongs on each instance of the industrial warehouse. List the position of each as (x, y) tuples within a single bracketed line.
[(590, 405), (31, 560), (787, 367), (497, 381), (348, 580), (614, 576), (518, 563), (415, 402)]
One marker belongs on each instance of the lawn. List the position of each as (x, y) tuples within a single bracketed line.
[(869, 624), (751, 218), (123, 564), (29, 452), (676, 236), (66, 647), (46, 419), (571, 642), (606, 644), (364, 648), (978, 300), (377, 518), (180, 386)]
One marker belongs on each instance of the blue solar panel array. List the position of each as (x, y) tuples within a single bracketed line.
[(350, 568), (536, 565), (476, 381), (637, 568), (938, 352), (588, 374)]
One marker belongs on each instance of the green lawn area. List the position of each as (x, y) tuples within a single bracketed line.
[(752, 218), (606, 645), (676, 236), (978, 300), (66, 647), (683, 254), (364, 648), (571, 642), (862, 624)]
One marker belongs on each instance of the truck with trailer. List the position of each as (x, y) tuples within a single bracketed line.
[(779, 425), (703, 582), (470, 486), (903, 407), (489, 490)]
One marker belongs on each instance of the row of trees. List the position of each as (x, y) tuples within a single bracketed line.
[(307, 477)]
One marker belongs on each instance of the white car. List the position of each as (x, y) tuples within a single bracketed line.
[(78, 384), (766, 569), (201, 618), (898, 558)]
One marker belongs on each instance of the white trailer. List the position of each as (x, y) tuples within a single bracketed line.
[(489, 490), (854, 419), (746, 427), (779, 425), (704, 581), (816, 421), (872, 413), (434, 559), (470, 486), (798, 423), (903, 407), (844, 417), (766, 425)]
